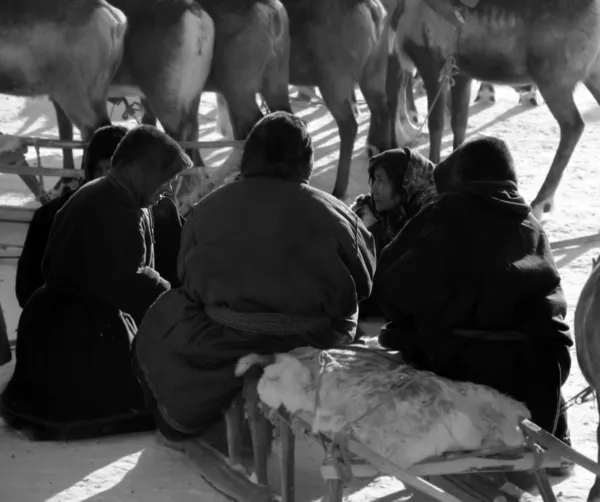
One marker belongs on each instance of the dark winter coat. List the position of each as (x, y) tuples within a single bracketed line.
[(74, 334), (252, 252), (167, 234)]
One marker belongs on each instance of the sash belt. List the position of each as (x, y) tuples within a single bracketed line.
[(267, 322)]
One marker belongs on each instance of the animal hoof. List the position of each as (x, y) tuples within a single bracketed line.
[(485, 97), (528, 98)]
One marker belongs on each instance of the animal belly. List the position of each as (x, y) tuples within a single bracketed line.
[(119, 91), (15, 85), (493, 61), (494, 50)]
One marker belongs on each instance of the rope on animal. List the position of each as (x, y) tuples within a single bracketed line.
[(448, 72)]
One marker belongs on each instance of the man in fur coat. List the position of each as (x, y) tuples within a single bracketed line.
[(267, 264)]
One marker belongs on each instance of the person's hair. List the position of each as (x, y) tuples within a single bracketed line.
[(102, 146), (482, 159), (394, 163), (147, 145), (279, 145)]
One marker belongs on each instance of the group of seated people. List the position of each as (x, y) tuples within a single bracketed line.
[(113, 338)]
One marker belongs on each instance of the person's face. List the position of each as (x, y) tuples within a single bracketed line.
[(382, 191), (101, 168), (165, 188)]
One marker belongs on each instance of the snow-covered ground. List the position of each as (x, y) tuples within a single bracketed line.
[(137, 468)]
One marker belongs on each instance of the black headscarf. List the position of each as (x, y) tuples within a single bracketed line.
[(485, 168), (411, 175)]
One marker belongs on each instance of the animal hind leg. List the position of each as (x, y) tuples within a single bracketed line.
[(592, 81), (429, 67), (461, 96), (373, 84), (65, 133), (559, 99), (337, 94)]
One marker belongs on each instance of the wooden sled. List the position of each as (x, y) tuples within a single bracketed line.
[(449, 478)]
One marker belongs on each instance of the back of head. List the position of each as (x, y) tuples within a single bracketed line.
[(100, 149), (146, 158), (280, 146), (484, 159)]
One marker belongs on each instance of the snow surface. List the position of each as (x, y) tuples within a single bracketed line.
[(137, 467)]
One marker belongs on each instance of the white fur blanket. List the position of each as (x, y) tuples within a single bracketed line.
[(400, 413)]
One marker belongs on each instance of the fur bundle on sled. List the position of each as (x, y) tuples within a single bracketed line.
[(399, 412)]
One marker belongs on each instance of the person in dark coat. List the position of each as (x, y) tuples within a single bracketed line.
[(401, 184), (5, 352), (73, 373), (470, 288), (267, 264), (96, 162)]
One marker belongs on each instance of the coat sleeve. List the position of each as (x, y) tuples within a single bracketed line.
[(120, 277), (359, 255), (415, 273), (29, 268), (188, 242)]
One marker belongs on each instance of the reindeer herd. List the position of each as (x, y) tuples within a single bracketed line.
[(79, 53)]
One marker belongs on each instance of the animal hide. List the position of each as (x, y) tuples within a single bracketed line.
[(399, 412)]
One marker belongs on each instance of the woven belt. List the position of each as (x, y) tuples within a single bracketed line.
[(267, 322)]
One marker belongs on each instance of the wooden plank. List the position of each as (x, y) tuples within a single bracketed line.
[(465, 465), (68, 173), (217, 471), (57, 143), (41, 171), (576, 241), (16, 214)]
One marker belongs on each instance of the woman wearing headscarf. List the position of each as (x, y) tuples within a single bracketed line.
[(401, 182), (267, 264), (73, 375), (470, 288), (95, 164)]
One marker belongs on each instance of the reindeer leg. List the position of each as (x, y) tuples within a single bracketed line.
[(411, 106), (429, 67), (561, 104), (393, 86), (405, 131), (373, 84), (148, 117), (224, 127), (65, 132), (337, 94), (461, 97)]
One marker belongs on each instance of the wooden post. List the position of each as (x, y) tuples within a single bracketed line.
[(234, 419), (260, 428), (287, 457)]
